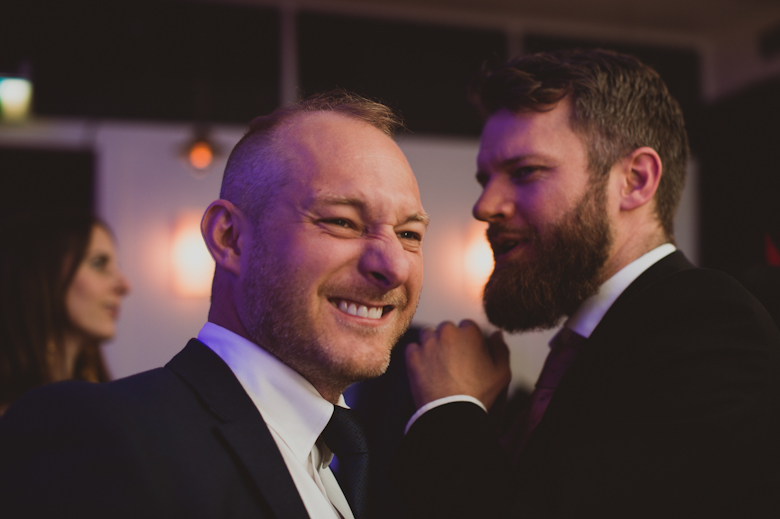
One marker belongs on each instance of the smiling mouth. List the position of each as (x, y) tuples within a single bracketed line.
[(361, 310)]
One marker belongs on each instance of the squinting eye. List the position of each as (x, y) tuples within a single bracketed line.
[(409, 235), (341, 222)]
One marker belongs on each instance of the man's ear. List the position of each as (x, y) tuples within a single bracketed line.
[(641, 174), (224, 230)]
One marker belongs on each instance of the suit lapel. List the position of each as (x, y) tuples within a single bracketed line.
[(242, 427), (251, 441), (579, 387), (671, 264), (603, 340)]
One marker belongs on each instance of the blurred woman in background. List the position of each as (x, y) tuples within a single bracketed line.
[(60, 296)]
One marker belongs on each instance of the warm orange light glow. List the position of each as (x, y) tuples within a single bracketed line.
[(201, 155), (192, 265), (477, 260)]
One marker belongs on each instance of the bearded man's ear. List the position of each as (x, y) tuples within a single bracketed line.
[(640, 178)]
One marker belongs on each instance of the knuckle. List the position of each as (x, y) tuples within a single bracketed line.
[(468, 324), (445, 328), (426, 334)]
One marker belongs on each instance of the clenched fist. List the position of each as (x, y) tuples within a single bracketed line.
[(456, 360)]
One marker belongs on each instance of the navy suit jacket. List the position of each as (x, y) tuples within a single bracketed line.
[(671, 409), (180, 441)]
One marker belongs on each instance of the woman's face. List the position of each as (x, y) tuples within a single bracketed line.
[(94, 297)]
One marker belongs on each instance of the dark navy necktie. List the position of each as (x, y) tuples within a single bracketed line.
[(345, 437)]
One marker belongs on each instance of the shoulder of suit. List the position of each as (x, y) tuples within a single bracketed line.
[(711, 287), (73, 401)]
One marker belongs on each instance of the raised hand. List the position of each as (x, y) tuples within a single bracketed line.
[(457, 360)]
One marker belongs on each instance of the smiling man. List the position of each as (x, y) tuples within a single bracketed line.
[(660, 396), (317, 239)]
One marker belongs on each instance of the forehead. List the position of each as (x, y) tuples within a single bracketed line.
[(333, 156), (100, 239), (507, 135)]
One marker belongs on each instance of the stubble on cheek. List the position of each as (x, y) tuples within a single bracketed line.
[(307, 332)]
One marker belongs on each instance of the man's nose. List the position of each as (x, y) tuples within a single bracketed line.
[(496, 203), (384, 262)]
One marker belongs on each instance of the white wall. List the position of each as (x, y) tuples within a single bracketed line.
[(143, 185)]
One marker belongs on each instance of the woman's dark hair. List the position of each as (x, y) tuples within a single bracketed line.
[(39, 256)]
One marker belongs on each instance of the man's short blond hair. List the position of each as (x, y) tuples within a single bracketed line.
[(256, 167)]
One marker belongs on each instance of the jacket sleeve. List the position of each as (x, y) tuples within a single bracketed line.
[(450, 465)]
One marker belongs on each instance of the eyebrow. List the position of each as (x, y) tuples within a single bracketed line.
[(423, 218), (511, 161), (361, 205)]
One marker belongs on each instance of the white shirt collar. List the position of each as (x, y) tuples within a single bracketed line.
[(288, 402), (592, 310)]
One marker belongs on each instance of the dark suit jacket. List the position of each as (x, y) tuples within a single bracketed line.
[(670, 410), (180, 441)]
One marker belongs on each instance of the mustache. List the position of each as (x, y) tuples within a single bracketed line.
[(495, 230)]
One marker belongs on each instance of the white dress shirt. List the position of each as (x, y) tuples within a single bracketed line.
[(587, 316), (295, 413)]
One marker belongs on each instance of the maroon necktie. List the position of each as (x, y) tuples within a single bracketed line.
[(563, 349)]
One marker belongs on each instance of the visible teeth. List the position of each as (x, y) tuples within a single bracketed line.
[(360, 310)]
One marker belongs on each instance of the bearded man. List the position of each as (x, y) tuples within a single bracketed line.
[(661, 394), (317, 238)]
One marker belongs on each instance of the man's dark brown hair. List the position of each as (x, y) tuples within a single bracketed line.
[(619, 104)]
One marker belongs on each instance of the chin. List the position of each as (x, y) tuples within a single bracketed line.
[(100, 335), (358, 373), (363, 362)]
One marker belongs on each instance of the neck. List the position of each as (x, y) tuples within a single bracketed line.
[(330, 392), (223, 312), (635, 245), (62, 362)]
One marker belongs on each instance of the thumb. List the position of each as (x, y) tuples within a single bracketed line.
[(498, 349)]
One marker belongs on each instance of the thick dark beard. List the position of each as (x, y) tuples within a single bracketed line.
[(535, 294)]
